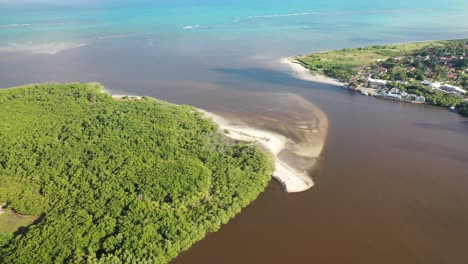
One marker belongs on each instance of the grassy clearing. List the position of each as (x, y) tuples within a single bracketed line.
[(10, 222), (357, 58)]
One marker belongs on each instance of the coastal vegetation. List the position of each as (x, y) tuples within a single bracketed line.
[(463, 109), (99, 180), (433, 97), (345, 63), (434, 72)]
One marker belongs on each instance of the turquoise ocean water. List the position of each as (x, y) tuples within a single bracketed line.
[(27, 25)]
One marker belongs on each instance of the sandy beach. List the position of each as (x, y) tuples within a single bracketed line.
[(121, 96), (292, 179), (295, 154), (301, 72)]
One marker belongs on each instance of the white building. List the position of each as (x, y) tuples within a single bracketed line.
[(452, 89), (420, 99), (433, 85), (393, 96), (377, 81)]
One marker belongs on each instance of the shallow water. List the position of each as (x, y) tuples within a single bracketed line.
[(391, 182), (390, 188)]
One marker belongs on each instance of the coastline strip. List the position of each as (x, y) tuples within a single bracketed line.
[(293, 181), (301, 72)]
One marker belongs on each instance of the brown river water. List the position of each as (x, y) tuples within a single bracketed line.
[(391, 183)]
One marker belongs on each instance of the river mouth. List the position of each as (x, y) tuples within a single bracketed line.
[(302, 123), (293, 131), (390, 181)]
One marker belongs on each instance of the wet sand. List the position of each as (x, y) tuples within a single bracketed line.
[(290, 115), (389, 189), (390, 185), (293, 159), (301, 72), (296, 140)]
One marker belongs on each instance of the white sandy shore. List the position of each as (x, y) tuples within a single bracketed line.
[(120, 96), (301, 72), (293, 180)]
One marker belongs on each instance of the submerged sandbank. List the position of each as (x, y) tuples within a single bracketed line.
[(301, 72), (292, 179), (50, 48), (299, 135)]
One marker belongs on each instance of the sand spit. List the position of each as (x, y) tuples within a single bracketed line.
[(118, 96), (303, 125), (293, 180), (301, 72), (123, 96)]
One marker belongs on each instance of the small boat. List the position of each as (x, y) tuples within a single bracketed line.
[(364, 93), (452, 108)]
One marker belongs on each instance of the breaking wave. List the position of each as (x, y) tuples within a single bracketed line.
[(285, 15), (15, 25), (381, 11), (112, 36), (191, 27)]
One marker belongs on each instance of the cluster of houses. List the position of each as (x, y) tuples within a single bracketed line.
[(381, 90), (430, 64), (397, 94), (378, 87), (367, 81), (452, 72)]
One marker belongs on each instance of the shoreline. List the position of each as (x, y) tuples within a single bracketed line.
[(293, 181), (372, 81), (301, 72)]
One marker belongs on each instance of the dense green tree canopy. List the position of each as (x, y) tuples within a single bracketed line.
[(432, 96), (116, 181), (463, 109)]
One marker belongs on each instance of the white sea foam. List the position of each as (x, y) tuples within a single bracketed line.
[(285, 15), (15, 25), (112, 36), (379, 11), (41, 48), (191, 27), (338, 13)]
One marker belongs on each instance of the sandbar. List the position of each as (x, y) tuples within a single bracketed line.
[(301, 72), (292, 179)]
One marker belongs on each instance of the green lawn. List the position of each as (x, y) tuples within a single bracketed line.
[(357, 58), (11, 222)]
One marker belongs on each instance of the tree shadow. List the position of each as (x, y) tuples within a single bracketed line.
[(25, 229)]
